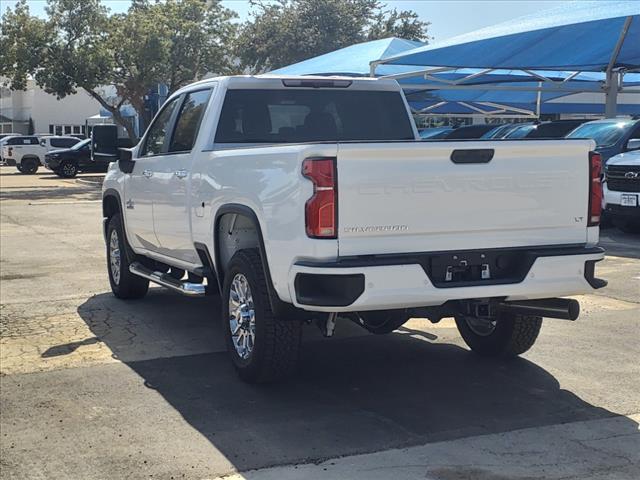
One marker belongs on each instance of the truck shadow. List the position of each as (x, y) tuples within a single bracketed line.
[(353, 394), (620, 244)]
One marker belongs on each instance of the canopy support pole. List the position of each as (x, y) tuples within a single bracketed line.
[(612, 84), (611, 93)]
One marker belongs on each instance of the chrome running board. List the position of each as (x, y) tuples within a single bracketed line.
[(185, 288)]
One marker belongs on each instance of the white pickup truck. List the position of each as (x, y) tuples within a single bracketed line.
[(309, 198)]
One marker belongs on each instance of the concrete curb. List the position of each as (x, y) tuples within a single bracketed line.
[(92, 181)]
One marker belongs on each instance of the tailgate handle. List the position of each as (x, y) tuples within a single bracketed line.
[(478, 155)]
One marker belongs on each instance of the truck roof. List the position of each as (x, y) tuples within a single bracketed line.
[(308, 81)]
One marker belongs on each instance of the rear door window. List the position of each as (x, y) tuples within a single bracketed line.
[(188, 122), (63, 142), (296, 116)]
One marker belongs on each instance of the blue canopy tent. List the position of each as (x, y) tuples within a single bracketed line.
[(577, 37), (353, 60), (495, 92)]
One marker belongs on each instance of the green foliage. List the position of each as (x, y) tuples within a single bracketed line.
[(81, 46), (23, 44), (283, 32)]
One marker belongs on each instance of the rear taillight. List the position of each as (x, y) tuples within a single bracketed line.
[(321, 210), (595, 189)]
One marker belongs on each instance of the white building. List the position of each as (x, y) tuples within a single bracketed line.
[(48, 114)]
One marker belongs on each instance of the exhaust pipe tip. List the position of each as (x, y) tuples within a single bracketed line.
[(562, 308)]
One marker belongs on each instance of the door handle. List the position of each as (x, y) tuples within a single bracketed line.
[(180, 173), (147, 173)]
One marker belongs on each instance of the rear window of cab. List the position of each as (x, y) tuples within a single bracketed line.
[(299, 116)]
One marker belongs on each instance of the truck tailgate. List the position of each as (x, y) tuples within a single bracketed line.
[(412, 197)]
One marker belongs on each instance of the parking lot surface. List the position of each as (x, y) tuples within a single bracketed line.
[(93, 387)]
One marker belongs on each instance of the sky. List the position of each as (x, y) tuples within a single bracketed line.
[(448, 18)]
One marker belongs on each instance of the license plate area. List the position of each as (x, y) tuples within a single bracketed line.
[(456, 269), (627, 200)]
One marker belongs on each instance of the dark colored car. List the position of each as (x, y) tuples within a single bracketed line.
[(68, 162), (470, 131), (521, 132), (554, 129), (611, 135), (501, 131), (437, 132)]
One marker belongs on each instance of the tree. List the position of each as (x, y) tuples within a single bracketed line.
[(23, 42), (172, 42), (283, 32), (404, 24)]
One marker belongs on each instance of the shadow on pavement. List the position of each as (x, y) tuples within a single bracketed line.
[(55, 193), (351, 395), (620, 244)]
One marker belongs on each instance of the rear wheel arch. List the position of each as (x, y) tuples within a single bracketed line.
[(241, 224), (245, 216)]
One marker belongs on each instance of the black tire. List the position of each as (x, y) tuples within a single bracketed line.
[(29, 166), (67, 169), (276, 345), (512, 335), (19, 167), (126, 285), (383, 322)]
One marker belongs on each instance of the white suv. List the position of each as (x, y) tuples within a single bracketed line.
[(27, 152)]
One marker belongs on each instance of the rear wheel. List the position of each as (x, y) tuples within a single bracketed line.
[(263, 348), (68, 169), (29, 166), (507, 335), (124, 284)]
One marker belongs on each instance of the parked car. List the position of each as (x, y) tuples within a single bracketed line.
[(469, 131), (27, 152), (521, 131), (612, 135), (68, 162), (309, 198), (437, 132), (500, 131), (622, 190), (554, 129)]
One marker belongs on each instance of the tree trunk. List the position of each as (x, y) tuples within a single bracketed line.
[(117, 116)]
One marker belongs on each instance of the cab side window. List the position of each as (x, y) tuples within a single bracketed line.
[(63, 142), (157, 133), (189, 118)]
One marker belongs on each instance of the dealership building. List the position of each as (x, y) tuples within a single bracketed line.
[(67, 116)]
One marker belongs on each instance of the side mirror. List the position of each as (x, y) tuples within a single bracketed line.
[(633, 144), (125, 160)]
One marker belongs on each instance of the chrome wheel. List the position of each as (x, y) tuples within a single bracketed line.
[(114, 257), (68, 169), (482, 327), (242, 316)]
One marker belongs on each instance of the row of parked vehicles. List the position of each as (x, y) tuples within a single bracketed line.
[(617, 141), (63, 155)]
